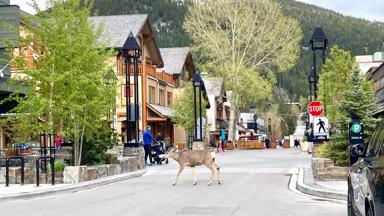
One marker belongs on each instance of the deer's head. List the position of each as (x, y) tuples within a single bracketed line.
[(171, 153)]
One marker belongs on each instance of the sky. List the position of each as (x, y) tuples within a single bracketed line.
[(367, 9)]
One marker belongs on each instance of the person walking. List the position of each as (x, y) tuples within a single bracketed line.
[(267, 143), (147, 140), (310, 139), (58, 142)]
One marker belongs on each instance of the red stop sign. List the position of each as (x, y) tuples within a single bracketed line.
[(315, 108)]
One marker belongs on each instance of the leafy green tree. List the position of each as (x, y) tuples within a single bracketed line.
[(333, 80), (243, 42), (184, 109), (70, 89)]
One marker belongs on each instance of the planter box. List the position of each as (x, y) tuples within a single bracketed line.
[(229, 146), (259, 145), (240, 144)]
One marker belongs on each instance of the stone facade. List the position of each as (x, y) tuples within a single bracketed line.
[(75, 174), (324, 169)]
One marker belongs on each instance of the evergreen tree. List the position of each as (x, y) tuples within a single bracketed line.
[(358, 97)]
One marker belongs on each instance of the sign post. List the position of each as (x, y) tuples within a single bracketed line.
[(356, 140)]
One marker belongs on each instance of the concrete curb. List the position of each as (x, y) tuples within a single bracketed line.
[(301, 186), (75, 187)]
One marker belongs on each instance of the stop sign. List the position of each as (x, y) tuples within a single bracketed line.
[(315, 108)]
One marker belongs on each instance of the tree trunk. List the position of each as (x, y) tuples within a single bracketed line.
[(81, 144), (232, 120)]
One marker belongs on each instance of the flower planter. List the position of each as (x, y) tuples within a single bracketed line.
[(229, 146), (273, 144)]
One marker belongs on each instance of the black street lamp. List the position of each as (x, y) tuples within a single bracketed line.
[(131, 52), (312, 81), (198, 85), (269, 126), (255, 119), (318, 42)]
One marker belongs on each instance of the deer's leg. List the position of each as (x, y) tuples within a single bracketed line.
[(194, 175), (178, 174), (210, 167), (217, 169)]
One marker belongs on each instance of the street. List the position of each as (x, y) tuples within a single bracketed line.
[(254, 182)]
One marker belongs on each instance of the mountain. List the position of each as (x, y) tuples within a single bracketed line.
[(356, 35)]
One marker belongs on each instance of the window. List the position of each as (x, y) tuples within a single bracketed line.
[(152, 95), (162, 97), (169, 99)]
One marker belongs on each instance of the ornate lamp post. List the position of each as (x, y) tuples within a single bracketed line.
[(255, 119), (131, 52), (200, 92), (197, 86), (269, 125), (318, 42), (312, 82)]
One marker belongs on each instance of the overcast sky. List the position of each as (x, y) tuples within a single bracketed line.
[(368, 9)]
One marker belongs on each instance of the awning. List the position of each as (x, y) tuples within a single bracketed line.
[(241, 128), (163, 112)]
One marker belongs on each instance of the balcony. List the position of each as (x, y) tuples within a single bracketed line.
[(166, 77)]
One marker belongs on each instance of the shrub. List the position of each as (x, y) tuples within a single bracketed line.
[(110, 158), (59, 165)]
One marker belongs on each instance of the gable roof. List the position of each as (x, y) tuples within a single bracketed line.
[(117, 28), (213, 86), (174, 59)]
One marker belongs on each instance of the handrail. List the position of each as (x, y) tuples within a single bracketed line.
[(21, 158), (52, 161)]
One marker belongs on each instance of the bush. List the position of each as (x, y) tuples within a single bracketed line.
[(59, 165), (336, 150), (110, 158)]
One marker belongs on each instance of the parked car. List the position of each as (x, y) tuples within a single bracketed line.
[(366, 177)]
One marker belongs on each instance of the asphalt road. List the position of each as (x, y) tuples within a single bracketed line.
[(254, 182)]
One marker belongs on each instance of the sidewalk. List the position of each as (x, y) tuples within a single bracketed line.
[(16, 191), (327, 189)]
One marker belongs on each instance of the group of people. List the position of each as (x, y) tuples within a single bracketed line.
[(146, 139)]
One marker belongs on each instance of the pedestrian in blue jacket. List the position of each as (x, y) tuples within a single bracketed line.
[(147, 141)]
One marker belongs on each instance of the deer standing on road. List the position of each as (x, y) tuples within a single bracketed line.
[(193, 158)]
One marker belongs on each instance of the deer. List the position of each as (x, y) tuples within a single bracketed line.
[(193, 158)]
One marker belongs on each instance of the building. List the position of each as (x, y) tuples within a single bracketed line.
[(218, 115), (154, 87), (373, 66), (178, 62), (376, 74), (12, 28), (367, 62), (247, 120)]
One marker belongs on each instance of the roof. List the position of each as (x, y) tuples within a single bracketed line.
[(248, 118), (165, 112), (174, 59), (213, 86), (117, 28)]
